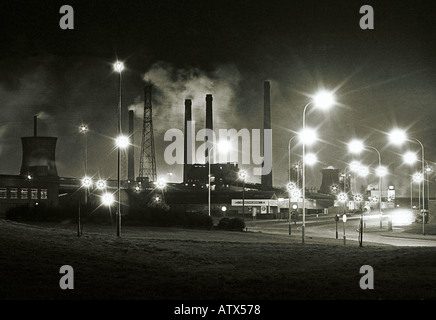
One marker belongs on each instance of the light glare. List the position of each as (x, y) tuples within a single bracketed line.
[(397, 136), (122, 142), (355, 146), (324, 99)]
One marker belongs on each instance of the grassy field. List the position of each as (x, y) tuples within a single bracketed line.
[(181, 264)]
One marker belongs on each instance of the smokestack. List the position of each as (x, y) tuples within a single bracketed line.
[(209, 126), (187, 154), (130, 154), (266, 180), (35, 126)]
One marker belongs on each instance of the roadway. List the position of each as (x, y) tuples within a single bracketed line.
[(324, 226)]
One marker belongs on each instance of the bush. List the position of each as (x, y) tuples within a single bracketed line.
[(233, 224)]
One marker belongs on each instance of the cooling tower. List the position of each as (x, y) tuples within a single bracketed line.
[(330, 177), (39, 156)]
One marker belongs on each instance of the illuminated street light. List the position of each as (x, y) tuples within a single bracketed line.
[(308, 136), (107, 199), (122, 142), (311, 159), (291, 186), (342, 197), (323, 100), (118, 67), (86, 182), (381, 171), (101, 184), (357, 146), (398, 137), (417, 177), (83, 128), (410, 157)]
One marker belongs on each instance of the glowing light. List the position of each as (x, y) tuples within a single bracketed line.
[(291, 186), (342, 197), (296, 193), (101, 184), (107, 199), (402, 217), (363, 171), (86, 182), (310, 159), (122, 142), (308, 136), (83, 128), (223, 146), (410, 157), (355, 166), (161, 183), (355, 146), (358, 197), (417, 177), (381, 171), (324, 99), (118, 66), (242, 175), (397, 136), (334, 188)]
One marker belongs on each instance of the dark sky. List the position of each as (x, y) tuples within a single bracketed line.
[(382, 78)]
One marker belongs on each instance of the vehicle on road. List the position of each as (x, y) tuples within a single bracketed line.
[(420, 214)]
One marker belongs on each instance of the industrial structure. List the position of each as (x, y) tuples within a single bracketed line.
[(147, 162), (38, 181)]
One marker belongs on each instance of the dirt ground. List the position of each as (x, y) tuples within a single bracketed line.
[(180, 264)]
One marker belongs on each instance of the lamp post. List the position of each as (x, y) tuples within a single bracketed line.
[(243, 175), (356, 146), (118, 67), (398, 136), (323, 100)]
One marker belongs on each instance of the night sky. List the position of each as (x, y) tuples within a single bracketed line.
[(382, 78)]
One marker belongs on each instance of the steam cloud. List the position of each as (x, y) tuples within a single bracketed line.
[(172, 86)]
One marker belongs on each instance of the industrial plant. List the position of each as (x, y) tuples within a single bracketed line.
[(210, 187)]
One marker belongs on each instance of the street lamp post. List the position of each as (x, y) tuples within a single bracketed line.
[(118, 66), (398, 136), (323, 100), (356, 146)]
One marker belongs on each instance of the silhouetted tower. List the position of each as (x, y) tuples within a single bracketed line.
[(147, 162)]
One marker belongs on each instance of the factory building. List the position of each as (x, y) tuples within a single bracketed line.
[(38, 181)]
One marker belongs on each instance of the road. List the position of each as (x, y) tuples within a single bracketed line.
[(324, 226)]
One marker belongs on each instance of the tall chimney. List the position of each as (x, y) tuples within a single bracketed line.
[(35, 126), (266, 180), (187, 154), (130, 154), (209, 126)]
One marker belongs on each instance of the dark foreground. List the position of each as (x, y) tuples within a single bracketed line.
[(176, 264)]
